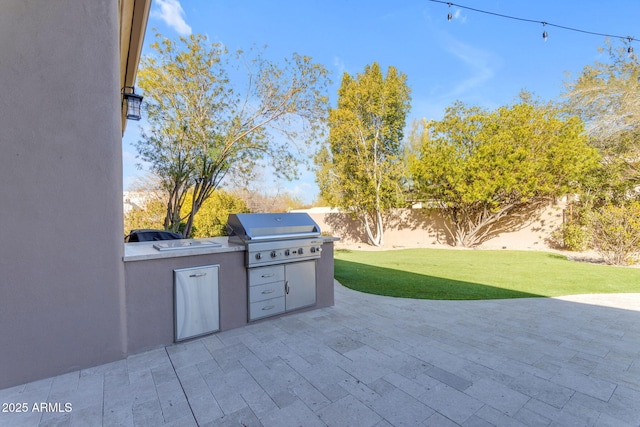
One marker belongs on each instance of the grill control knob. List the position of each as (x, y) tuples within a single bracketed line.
[(273, 254), (258, 255), (313, 249), (300, 251), (286, 252)]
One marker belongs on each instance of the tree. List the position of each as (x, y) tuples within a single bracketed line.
[(606, 96), (259, 201), (204, 125), (489, 170), (360, 169), (212, 217), (263, 195), (149, 215), (146, 202), (149, 208)]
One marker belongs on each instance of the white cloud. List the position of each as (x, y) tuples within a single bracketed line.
[(338, 63), (478, 68), (480, 62), (458, 15), (172, 14)]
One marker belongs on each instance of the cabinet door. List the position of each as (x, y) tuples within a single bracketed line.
[(300, 285), (197, 309)]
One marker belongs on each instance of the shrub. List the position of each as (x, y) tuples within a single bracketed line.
[(575, 237), (615, 232), (150, 215)]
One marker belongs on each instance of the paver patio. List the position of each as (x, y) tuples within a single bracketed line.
[(372, 361)]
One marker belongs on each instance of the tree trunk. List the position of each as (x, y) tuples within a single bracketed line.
[(380, 229), (186, 233), (376, 239)]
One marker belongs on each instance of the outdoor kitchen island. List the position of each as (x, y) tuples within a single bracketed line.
[(149, 284)]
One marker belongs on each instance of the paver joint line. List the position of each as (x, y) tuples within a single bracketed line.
[(375, 360), (184, 393)]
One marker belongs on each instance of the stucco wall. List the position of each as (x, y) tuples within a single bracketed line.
[(425, 228), (150, 310), (61, 270), (150, 305)]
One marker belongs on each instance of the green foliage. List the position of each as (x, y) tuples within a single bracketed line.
[(212, 217), (488, 171), (210, 222), (204, 126), (574, 237), (606, 96), (360, 168), (151, 215), (615, 231), (574, 233)]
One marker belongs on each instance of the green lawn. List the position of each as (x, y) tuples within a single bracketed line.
[(482, 274)]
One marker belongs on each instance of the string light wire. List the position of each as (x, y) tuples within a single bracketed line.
[(629, 38)]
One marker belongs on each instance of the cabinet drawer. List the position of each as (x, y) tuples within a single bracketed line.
[(270, 307), (266, 291), (261, 275)]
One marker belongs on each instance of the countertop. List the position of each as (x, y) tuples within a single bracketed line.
[(141, 251)]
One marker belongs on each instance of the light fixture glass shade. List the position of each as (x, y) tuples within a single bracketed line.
[(133, 101)]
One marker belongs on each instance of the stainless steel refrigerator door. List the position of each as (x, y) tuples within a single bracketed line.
[(196, 300), (300, 285)]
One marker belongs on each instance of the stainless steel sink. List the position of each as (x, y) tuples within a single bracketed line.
[(174, 245)]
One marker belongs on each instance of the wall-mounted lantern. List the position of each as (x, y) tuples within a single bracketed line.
[(133, 101)]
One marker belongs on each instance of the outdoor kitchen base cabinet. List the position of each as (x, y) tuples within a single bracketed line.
[(196, 301), (281, 288), (300, 285)]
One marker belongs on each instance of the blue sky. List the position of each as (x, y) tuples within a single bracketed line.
[(476, 58)]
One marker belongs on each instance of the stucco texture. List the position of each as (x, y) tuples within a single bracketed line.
[(61, 270)]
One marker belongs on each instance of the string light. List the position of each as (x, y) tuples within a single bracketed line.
[(449, 15), (545, 35)]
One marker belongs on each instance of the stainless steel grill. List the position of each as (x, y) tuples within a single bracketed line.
[(275, 238), (282, 250)]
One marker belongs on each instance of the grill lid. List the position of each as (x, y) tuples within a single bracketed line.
[(271, 226)]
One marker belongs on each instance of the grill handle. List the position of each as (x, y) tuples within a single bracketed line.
[(283, 236)]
